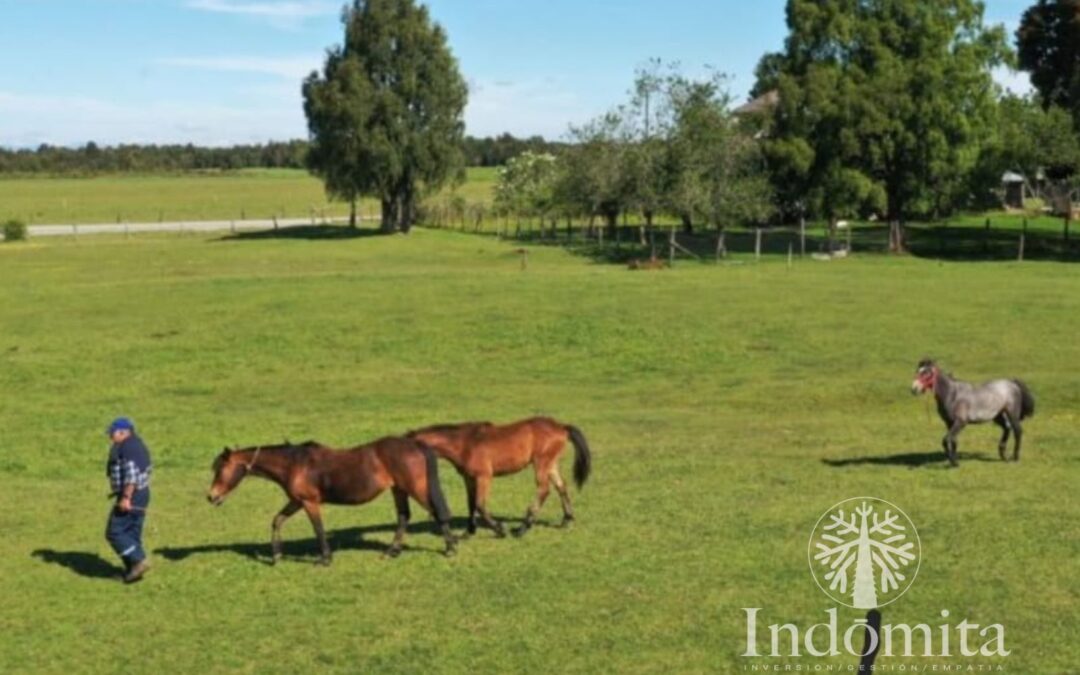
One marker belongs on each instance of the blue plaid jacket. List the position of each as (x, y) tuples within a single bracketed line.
[(129, 463)]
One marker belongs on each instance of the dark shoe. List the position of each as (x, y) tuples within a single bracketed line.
[(137, 572)]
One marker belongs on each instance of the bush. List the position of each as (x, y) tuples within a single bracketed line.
[(14, 230)]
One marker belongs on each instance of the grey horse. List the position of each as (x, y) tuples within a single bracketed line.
[(959, 403)]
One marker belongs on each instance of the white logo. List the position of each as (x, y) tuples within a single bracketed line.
[(864, 552)]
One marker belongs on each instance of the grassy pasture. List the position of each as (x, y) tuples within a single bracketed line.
[(255, 194), (727, 407)]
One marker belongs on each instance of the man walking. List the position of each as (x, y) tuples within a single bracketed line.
[(129, 471)]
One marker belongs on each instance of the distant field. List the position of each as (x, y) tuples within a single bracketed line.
[(256, 194)]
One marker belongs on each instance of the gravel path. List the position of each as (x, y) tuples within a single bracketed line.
[(187, 226)]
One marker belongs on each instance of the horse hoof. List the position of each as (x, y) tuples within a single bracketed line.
[(392, 552), (450, 551), (519, 532), (275, 559), (323, 562), (566, 523), (500, 533)]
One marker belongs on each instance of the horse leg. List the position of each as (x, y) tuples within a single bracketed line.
[(470, 492), (1018, 433), (483, 487), (542, 490), (955, 429), (315, 515), (275, 529), (1003, 422), (564, 496), (401, 503)]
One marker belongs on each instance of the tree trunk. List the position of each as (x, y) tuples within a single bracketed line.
[(352, 214), (832, 234), (612, 219), (721, 246), (389, 218), (896, 236), (687, 223), (802, 236)]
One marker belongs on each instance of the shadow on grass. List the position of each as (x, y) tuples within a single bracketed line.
[(84, 564), (912, 460), (306, 232), (349, 539), (924, 240)]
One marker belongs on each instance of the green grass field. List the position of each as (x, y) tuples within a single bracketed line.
[(727, 407), (254, 194)]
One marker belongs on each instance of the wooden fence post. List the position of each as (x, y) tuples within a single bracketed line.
[(802, 236), (757, 243), (790, 253), (1020, 257), (671, 247)]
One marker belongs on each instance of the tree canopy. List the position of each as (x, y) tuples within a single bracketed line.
[(385, 116), (883, 104), (1048, 47)]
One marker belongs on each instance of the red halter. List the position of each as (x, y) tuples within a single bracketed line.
[(929, 380)]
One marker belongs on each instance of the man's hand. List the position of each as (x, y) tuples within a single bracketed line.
[(124, 504)]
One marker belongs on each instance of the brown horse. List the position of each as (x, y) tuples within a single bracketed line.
[(312, 474), (481, 450)]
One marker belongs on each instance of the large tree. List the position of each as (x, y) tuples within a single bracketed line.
[(884, 104), (385, 116), (1048, 47)]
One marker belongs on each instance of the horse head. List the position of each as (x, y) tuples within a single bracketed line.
[(229, 469), (926, 374)]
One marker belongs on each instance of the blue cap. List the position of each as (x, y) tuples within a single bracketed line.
[(120, 423)]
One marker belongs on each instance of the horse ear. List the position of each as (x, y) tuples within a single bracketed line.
[(225, 452)]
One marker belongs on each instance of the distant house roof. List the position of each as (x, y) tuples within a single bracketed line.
[(761, 105), (1012, 177)]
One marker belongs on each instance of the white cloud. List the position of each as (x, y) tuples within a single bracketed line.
[(289, 68), (280, 9)]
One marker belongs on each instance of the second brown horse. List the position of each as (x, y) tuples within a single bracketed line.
[(481, 450), (312, 474)]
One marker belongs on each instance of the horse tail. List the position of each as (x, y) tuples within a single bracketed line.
[(1027, 400), (435, 493), (582, 456)]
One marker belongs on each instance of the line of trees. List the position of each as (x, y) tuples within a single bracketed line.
[(675, 148), (92, 159), (880, 109)]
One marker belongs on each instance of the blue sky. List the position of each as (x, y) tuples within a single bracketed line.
[(217, 72)]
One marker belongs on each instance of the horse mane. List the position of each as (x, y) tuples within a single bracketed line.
[(286, 446), (448, 428)]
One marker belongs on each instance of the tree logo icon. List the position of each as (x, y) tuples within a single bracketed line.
[(864, 552)]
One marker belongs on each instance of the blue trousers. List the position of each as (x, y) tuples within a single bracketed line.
[(124, 530)]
